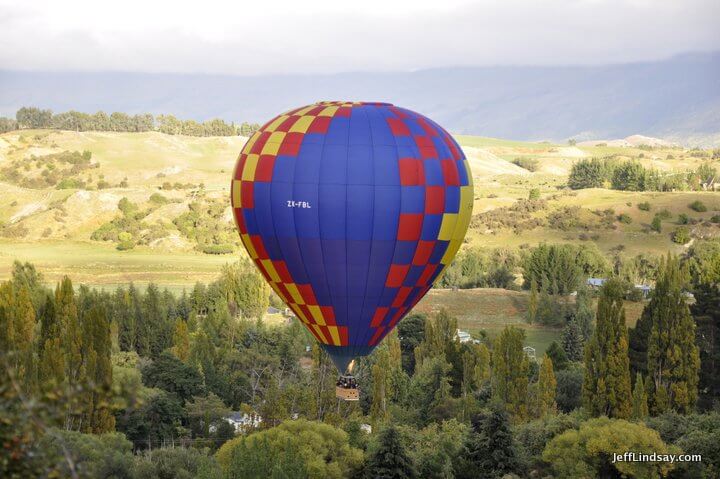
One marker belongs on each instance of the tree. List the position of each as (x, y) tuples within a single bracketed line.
[(510, 371), (533, 302), (606, 388), (437, 447), (629, 176), (319, 449), (706, 311), (411, 331), (390, 460), (639, 399), (158, 421), (17, 324), (98, 417), (181, 340), (204, 412), (673, 357), (170, 374), (572, 341), (547, 385), (489, 450), (588, 451), (569, 387), (586, 173), (584, 312), (558, 356)]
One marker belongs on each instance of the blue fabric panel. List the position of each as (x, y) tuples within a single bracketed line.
[(387, 212), (452, 199), (360, 201), (431, 227), (404, 252), (338, 132), (251, 222), (311, 251), (438, 251), (412, 199), (307, 169), (283, 169), (290, 249), (331, 207), (433, 173), (307, 223), (360, 165), (381, 253), (462, 173), (385, 166), (333, 166), (413, 275), (283, 216), (359, 133)]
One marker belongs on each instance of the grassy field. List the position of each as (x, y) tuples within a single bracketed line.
[(51, 228)]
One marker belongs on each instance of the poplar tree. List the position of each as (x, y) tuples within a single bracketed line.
[(673, 358), (547, 384), (533, 302), (17, 322), (181, 340), (606, 389), (510, 367), (639, 398), (97, 345)]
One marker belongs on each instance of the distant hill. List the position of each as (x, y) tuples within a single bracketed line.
[(676, 99)]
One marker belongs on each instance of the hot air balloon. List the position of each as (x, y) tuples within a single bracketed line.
[(351, 210)]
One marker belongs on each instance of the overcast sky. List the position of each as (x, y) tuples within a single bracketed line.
[(291, 36)]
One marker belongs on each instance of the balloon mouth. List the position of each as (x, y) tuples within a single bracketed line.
[(336, 102), (343, 357)]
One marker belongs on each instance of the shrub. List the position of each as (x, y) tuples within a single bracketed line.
[(534, 194), (681, 235), (645, 206), (625, 219), (698, 206), (530, 164), (217, 249), (158, 199), (656, 224), (715, 219), (664, 214), (683, 219)]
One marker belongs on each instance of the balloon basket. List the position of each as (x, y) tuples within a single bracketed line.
[(346, 388)]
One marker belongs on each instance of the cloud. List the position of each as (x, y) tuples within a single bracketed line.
[(284, 36)]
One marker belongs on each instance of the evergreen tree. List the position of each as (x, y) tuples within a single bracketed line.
[(572, 341), (390, 460), (510, 371), (673, 356), (639, 399), (489, 451), (533, 302), (584, 313), (547, 385), (606, 388), (558, 356), (707, 315)]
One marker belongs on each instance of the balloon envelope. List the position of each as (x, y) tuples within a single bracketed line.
[(351, 210)]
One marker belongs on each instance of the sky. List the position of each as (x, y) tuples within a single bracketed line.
[(330, 36)]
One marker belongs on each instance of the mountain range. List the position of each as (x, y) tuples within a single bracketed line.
[(676, 98)]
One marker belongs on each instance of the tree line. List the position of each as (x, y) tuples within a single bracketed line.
[(36, 118), (631, 175)]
